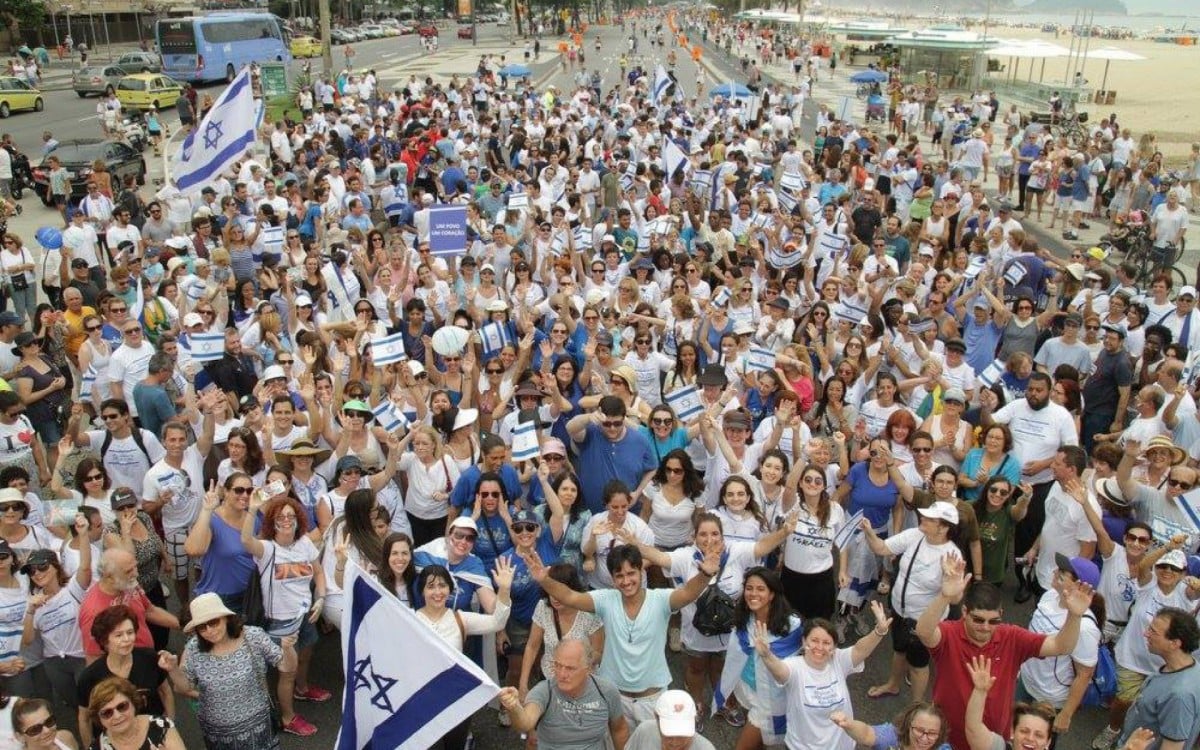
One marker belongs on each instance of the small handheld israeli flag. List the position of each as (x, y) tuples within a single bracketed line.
[(87, 383), (518, 201), (721, 298), (686, 402), (1015, 273), (207, 347), (992, 373), (389, 417), (583, 238), (525, 441), (701, 183), (760, 359), (387, 350), (848, 530), (493, 337)]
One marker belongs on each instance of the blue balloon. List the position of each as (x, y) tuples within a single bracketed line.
[(49, 238)]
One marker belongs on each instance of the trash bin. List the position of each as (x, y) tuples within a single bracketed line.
[(1099, 97), (1110, 97)]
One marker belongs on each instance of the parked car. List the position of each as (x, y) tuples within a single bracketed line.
[(340, 36), (306, 46), (140, 62), (77, 157), (464, 31), (407, 28), (100, 80), (145, 90), (371, 31), (17, 95), (426, 28)]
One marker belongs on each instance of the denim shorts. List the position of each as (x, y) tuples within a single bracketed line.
[(305, 631)]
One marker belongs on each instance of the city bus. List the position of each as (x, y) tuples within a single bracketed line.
[(214, 47)]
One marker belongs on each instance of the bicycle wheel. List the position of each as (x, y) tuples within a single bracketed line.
[(1056, 131), (1178, 278), (1139, 256)]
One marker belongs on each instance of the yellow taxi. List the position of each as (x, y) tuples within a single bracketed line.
[(17, 95), (306, 46), (145, 90)]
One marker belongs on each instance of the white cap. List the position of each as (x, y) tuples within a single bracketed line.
[(303, 300), (1175, 558), (676, 713), (608, 238), (464, 522), (1191, 290), (274, 372), (415, 367), (192, 319), (941, 510), (496, 305)]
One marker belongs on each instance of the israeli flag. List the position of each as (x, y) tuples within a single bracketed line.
[(518, 201), (992, 373), (392, 699), (207, 347), (583, 238), (793, 181), (1015, 273), (387, 350), (760, 359), (685, 402), (701, 183), (525, 441), (388, 416), (493, 337), (662, 82), (220, 139), (628, 176), (674, 159), (848, 530), (721, 298), (1189, 503)]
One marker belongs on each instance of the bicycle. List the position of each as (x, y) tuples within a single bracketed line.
[(1071, 125), (864, 90), (1151, 261)]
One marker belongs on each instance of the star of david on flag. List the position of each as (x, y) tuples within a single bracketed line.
[(220, 139), (405, 686)]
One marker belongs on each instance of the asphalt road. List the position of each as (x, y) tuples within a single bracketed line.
[(68, 116)]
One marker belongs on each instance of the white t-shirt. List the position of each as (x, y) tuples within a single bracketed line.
[(718, 470), (600, 578), (126, 463), (1131, 651), (1049, 678), (739, 557), (57, 621), (1117, 586), (129, 366), (1037, 435), (809, 549), (814, 694), (919, 579), (423, 481), (877, 416), (186, 485), (1064, 529), (286, 574), (671, 524)]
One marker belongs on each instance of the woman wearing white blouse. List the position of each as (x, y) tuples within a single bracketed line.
[(437, 586)]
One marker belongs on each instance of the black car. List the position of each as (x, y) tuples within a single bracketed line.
[(78, 156)]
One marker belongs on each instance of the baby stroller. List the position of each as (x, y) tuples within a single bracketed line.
[(876, 108)]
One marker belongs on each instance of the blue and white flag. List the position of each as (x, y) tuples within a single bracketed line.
[(388, 416), (525, 441), (701, 183), (405, 686), (760, 359), (1015, 273), (685, 402), (628, 176), (992, 373), (583, 238), (493, 337), (848, 530), (722, 296), (662, 82), (387, 350), (220, 139), (1189, 503), (207, 347), (673, 159)]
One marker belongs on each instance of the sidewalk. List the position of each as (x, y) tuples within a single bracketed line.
[(833, 86), (57, 75)]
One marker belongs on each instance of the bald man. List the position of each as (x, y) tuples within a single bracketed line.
[(118, 584)]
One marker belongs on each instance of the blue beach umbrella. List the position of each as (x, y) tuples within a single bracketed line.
[(516, 70), (730, 90), (869, 76)]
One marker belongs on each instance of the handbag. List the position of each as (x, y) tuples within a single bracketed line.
[(254, 606), (714, 609), (17, 280)]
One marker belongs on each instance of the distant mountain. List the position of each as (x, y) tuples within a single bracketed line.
[(1110, 7)]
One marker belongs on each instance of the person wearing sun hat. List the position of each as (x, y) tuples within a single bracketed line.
[(303, 461), (1158, 505)]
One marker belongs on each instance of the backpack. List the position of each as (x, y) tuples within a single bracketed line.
[(136, 434), (1103, 686), (714, 609)]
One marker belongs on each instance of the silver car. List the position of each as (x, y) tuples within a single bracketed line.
[(97, 79), (140, 62)]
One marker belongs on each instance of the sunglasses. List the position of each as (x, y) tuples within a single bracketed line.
[(131, 331), (997, 491), (494, 372), (1137, 538), (1180, 484), (89, 329), (6, 507), (673, 469), (117, 309), (521, 528), (489, 493), (662, 421), (40, 567), (122, 707), (93, 477), (613, 423), (462, 537), (241, 490), (35, 729), (814, 480)]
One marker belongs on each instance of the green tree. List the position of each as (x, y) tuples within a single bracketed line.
[(21, 17)]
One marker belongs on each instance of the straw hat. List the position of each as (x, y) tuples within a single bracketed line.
[(300, 448), (206, 608), (1178, 455)]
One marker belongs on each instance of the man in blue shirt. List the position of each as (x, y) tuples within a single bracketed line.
[(610, 450), (1081, 197)]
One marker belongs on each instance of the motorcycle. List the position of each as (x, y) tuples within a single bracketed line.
[(133, 133), (22, 172)]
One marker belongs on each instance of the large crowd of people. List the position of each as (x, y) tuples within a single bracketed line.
[(767, 411)]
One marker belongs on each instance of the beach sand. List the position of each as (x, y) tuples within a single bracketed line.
[(1160, 94)]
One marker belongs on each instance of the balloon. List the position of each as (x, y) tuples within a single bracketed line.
[(450, 341), (49, 238)]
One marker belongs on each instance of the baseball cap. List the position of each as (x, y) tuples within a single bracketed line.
[(1175, 559), (464, 522), (942, 511), (554, 447), (526, 516), (192, 319), (79, 263), (676, 713), (1082, 568), (122, 497), (955, 394), (1188, 291), (274, 372)]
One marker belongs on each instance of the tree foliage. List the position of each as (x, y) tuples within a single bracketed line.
[(21, 18)]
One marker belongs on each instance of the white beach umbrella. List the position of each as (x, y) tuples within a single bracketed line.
[(1108, 54)]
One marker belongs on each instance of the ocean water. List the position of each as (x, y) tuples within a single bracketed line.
[(1138, 23)]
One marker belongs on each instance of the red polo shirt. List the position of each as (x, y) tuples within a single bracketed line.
[(1009, 648), (96, 601)]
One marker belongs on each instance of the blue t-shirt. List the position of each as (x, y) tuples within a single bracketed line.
[(677, 439), (525, 591), (628, 460), (635, 656), (226, 565), (469, 576), (981, 341), (463, 494), (886, 738), (1009, 468), (493, 540), (875, 502)]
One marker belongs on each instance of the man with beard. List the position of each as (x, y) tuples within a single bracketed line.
[(118, 584), (1039, 429)]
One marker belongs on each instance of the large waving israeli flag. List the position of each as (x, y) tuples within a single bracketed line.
[(662, 82), (405, 686), (220, 139)]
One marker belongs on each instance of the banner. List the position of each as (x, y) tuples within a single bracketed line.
[(448, 230)]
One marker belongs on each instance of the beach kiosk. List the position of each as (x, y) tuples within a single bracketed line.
[(956, 56)]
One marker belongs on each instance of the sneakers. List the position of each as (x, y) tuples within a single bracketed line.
[(313, 694), (1106, 739), (733, 716), (505, 719), (300, 727), (1069, 235), (675, 640)]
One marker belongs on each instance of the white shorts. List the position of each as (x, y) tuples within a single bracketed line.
[(639, 710), (1082, 206)]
